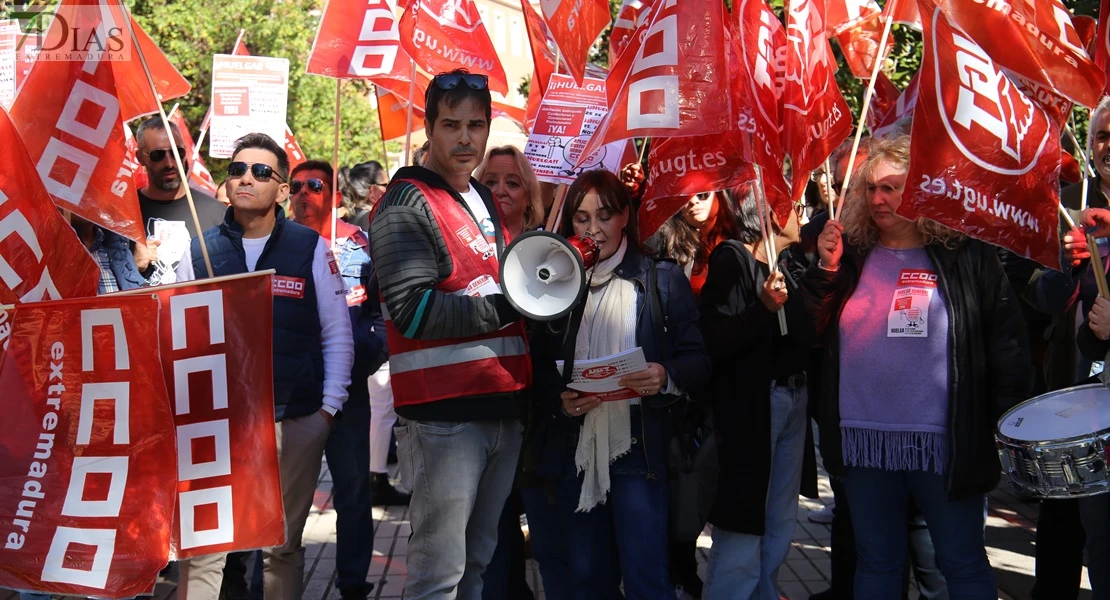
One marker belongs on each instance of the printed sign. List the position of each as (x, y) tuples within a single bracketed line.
[(9, 34), (909, 310), (249, 95), (566, 120)]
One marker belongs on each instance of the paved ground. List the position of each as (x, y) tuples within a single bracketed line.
[(1010, 535)]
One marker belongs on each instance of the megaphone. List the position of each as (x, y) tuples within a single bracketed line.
[(543, 275)]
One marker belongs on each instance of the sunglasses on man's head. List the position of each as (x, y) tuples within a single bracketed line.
[(314, 185), (160, 154), (450, 81), (260, 171)]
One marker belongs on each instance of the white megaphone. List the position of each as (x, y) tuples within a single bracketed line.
[(543, 275)]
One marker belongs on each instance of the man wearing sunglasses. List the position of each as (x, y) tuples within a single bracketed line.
[(348, 448), (458, 359), (313, 346), (165, 210)]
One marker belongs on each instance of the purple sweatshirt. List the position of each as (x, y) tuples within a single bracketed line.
[(894, 365)]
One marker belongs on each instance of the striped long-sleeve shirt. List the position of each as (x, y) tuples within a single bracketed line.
[(410, 258)]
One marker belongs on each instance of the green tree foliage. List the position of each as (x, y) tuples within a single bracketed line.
[(191, 31)]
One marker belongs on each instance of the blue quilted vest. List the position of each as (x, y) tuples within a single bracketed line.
[(298, 352)]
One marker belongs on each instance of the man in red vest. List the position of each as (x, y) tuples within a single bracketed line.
[(458, 358)]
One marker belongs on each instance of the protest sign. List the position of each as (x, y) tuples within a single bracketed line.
[(249, 95)]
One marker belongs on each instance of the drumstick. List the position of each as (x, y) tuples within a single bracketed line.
[(1096, 266)]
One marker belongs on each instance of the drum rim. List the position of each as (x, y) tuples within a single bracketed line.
[(1003, 438)]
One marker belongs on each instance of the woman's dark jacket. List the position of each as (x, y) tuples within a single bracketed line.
[(686, 361), (988, 354), (739, 333)]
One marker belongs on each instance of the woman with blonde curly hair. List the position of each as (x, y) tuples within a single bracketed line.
[(912, 394), (508, 175)]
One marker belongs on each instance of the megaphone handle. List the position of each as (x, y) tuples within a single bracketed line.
[(570, 334)]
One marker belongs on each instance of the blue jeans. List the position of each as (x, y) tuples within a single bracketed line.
[(348, 454), (461, 474), (743, 566), (624, 538), (1095, 514), (956, 528)]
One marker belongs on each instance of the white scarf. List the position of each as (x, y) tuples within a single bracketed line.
[(608, 327)]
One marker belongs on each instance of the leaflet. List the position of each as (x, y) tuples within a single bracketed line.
[(599, 376)]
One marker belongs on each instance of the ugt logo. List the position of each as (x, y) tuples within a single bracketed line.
[(87, 32), (987, 117), (805, 35)]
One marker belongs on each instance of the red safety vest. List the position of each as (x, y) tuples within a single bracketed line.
[(497, 362)]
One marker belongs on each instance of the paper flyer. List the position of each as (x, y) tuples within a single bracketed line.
[(599, 376)]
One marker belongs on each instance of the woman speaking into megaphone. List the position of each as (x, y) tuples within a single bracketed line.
[(607, 459)]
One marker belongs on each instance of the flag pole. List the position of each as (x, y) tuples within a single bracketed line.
[(643, 148), (335, 161), (768, 232), (1085, 171), (173, 110), (408, 115), (385, 156), (866, 104), (829, 191), (173, 147)]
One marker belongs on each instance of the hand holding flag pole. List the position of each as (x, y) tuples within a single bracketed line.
[(173, 147), (768, 232), (879, 58)]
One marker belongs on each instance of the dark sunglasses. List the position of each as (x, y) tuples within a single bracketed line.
[(314, 185), (450, 81), (259, 171), (160, 154), (703, 196)]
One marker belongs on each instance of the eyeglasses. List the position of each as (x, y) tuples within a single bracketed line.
[(450, 81), (799, 209), (260, 171), (314, 185), (160, 154)]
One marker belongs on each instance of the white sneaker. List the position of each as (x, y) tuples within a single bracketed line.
[(823, 515)]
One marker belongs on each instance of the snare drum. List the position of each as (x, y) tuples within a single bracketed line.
[(1054, 446)]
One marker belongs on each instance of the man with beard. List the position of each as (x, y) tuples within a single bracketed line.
[(169, 223)]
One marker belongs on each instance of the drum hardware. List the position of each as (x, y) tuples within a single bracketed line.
[(1056, 445)]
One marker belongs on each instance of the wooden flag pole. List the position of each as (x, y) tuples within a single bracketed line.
[(866, 105), (768, 232), (172, 110), (408, 118), (829, 191), (335, 161), (1085, 170), (173, 147)]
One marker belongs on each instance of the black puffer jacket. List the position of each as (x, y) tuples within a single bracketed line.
[(989, 365)]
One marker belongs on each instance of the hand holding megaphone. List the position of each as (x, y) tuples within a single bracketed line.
[(543, 275)]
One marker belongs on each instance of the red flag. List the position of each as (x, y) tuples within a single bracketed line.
[(670, 82), (393, 116), (815, 117), (199, 176), (902, 108), (69, 116), (293, 149), (985, 158), (88, 497), (842, 15), (140, 176), (758, 52), (358, 40), (1085, 27), (1102, 43), (40, 255), (883, 101), (1033, 38), (633, 14), (216, 359), (860, 46), (541, 42), (905, 13), (576, 25), (134, 89), (443, 35), (681, 167), (535, 98)]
